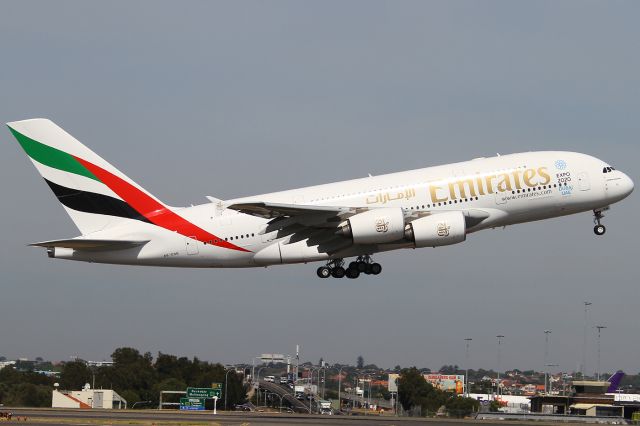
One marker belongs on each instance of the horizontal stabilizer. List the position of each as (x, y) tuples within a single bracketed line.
[(88, 244)]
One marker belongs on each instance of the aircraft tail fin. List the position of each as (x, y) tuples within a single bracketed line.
[(614, 381), (95, 194)]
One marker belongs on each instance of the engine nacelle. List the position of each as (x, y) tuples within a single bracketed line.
[(440, 229), (376, 226)]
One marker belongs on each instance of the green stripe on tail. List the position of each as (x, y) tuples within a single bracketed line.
[(51, 157)]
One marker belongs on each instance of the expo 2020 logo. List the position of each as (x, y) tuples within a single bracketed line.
[(561, 164)]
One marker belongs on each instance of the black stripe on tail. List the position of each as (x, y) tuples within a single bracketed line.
[(90, 202)]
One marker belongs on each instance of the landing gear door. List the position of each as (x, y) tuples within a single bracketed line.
[(583, 181)]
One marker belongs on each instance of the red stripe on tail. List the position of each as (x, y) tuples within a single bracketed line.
[(156, 212)]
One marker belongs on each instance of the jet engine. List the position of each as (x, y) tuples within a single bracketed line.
[(377, 226), (440, 229)]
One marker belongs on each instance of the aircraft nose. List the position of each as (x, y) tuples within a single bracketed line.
[(618, 186), (627, 185)]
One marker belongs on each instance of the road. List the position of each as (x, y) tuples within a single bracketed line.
[(287, 395), (66, 417)]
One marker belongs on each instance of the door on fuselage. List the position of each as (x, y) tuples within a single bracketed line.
[(583, 181), (192, 245)]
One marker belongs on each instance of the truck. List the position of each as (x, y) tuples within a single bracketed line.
[(299, 391), (325, 407)]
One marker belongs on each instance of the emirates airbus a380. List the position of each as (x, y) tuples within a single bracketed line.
[(121, 223)]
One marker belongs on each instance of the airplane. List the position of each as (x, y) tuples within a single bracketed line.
[(121, 223)]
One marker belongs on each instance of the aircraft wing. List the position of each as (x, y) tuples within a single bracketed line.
[(316, 224), (91, 244), (274, 210)]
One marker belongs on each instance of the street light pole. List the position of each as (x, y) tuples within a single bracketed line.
[(499, 337), (226, 391), (546, 357), (340, 388), (369, 402), (584, 343), (258, 386), (600, 328), (466, 387)]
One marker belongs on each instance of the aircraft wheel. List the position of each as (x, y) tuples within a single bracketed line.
[(599, 229), (367, 269), (324, 272), (361, 266), (376, 268), (353, 265), (353, 273), (338, 272)]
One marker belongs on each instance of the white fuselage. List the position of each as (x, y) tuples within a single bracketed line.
[(499, 191)]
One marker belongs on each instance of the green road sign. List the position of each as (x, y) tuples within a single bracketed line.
[(204, 392), (196, 404)]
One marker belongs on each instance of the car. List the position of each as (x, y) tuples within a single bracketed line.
[(283, 380), (271, 379)]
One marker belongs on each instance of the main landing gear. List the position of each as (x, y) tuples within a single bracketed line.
[(362, 265), (599, 229)]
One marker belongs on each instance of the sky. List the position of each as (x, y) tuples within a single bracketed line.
[(230, 99)]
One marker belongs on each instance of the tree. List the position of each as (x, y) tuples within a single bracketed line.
[(24, 388), (412, 388), (74, 375), (449, 369), (360, 363), (414, 391), (132, 370), (461, 407), (494, 406)]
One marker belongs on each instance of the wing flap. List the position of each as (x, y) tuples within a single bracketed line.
[(274, 210), (91, 244)]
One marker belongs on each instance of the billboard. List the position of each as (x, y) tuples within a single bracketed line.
[(446, 382), (392, 386)]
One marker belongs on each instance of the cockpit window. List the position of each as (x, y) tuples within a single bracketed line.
[(608, 169)]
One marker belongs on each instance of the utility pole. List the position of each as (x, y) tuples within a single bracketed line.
[(499, 337), (600, 328), (466, 376), (546, 357), (583, 370)]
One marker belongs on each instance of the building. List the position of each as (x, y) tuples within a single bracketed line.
[(587, 398), (87, 398), (4, 364)]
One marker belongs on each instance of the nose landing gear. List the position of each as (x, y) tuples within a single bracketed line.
[(362, 265), (599, 229)]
